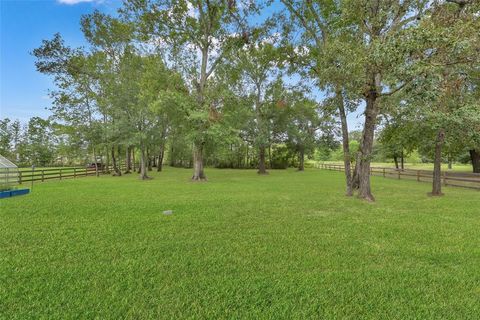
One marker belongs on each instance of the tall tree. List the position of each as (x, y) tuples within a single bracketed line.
[(76, 80), (257, 70), (197, 35), (324, 52)]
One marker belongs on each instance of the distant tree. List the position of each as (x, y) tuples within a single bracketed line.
[(39, 145), (5, 137), (303, 126), (257, 71)]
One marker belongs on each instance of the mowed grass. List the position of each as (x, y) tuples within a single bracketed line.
[(288, 245)]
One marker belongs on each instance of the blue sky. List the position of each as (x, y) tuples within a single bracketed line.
[(23, 26)]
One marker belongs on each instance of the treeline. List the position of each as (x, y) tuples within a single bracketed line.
[(33, 143), (232, 83), (45, 143)]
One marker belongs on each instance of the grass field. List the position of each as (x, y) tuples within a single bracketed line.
[(284, 246)]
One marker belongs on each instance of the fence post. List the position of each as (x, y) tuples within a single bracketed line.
[(445, 178), (74, 173), (398, 174), (418, 175), (86, 172), (60, 174), (43, 175), (20, 177)]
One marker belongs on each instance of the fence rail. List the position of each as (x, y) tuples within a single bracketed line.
[(455, 179), (60, 173), (54, 173)]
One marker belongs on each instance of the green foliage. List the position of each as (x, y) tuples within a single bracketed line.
[(211, 75)]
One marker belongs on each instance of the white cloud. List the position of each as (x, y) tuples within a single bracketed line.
[(75, 1)]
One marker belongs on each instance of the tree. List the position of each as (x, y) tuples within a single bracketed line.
[(161, 100), (385, 42), (257, 71), (197, 34), (324, 53), (74, 100), (399, 134), (5, 137), (110, 40), (40, 148), (302, 126), (450, 109)]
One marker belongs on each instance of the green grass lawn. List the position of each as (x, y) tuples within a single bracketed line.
[(288, 245)]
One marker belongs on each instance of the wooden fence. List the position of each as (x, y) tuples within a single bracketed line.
[(54, 173), (449, 178), (59, 173)]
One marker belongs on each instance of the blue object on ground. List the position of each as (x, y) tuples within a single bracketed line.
[(5, 194), (12, 193), (20, 192)]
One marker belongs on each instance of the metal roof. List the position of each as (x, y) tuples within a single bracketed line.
[(5, 163)]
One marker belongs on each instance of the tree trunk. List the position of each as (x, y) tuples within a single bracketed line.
[(107, 166), (345, 142), (270, 156), (198, 174), (371, 112), (97, 173), (475, 157), (402, 161), (198, 144), (437, 165), (149, 160), (161, 154), (142, 158), (301, 159), (395, 160), (133, 158), (102, 165), (160, 159), (128, 160), (172, 160), (116, 170), (143, 163), (262, 168), (356, 170)]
